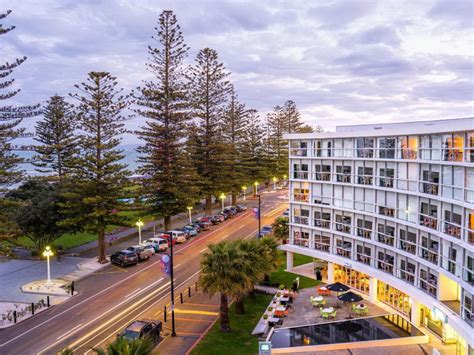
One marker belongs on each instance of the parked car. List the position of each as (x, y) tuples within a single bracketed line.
[(230, 210), (142, 253), (195, 226), (140, 329), (149, 247), (178, 235), (204, 225), (190, 230), (266, 230), (225, 215), (159, 244), (214, 220), (286, 213), (241, 208), (124, 258), (220, 217)]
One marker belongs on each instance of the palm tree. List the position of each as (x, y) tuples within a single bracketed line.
[(269, 252), (222, 271), (122, 346), (280, 229)]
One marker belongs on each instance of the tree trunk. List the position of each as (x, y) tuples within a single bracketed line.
[(208, 204), (101, 245), (234, 198), (266, 278), (252, 293), (167, 222), (224, 314), (239, 305)]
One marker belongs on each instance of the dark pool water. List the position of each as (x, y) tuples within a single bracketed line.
[(347, 331)]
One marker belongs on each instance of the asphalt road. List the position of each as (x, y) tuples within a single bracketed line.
[(112, 298)]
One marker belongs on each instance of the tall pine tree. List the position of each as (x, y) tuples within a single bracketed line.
[(10, 118), (163, 102), (292, 117), (277, 147), (253, 153), (208, 88), (97, 179), (56, 133)]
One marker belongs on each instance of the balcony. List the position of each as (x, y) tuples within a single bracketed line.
[(407, 246), (452, 229), (299, 152), (323, 223), (323, 176), (343, 228), (430, 255), (302, 175), (365, 180), (386, 182), (430, 188), (301, 220), (387, 153), (408, 276), (301, 197), (322, 247), (364, 233), (429, 222), (453, 155), (430, 285), (389, 212), (362, 258), (385, 266), (365, 153), (408, 153), (344, 251), (386, 239), (302, 242), (343, 178)]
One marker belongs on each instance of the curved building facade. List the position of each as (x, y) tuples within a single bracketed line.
[(389, 210)]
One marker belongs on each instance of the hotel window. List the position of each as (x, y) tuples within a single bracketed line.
[(407, 238), (343, 196), (450, 260), (468, 274), (429, 213), (301, 192), (386, 233), (429, 248), (470, 185), (344, 248), (407, 269), (323, 171), (407, 208), (343, 222), (322, 241), (453, 181), (299, 149), (386, 203), (365, 172), (470, 146), (429, 176), (385, 261), (351, 278), (301, 238), (430, 147), (453, 147), (300, 171), (470, 226), (324, 148), (322, 194), (343, 171), (363, 253), (428, 280), (452, 218), (386, 175), (468, 308), (364, 226), (322, 218), (365, 147), (408, 147), (364, 199), (343, 148), (393, 297), (387, 148), (407, 174), (300, 216)]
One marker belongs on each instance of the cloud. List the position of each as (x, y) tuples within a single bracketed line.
[(339, 14), (458, 12), (458, 90)]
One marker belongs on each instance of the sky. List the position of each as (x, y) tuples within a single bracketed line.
[(342, 62)]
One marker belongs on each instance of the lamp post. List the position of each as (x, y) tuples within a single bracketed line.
[(173, 329), (274, 182), (244, 188), (189, 210), (139, 224), (255, 184), (48, 253), (222, 197), (259, 215)]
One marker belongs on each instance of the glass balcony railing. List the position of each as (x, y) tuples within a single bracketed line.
[(452, 229), (323, 223), (428, 221), (301, 220), (364, 233)]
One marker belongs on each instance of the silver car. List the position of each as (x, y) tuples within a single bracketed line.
[(143, 254)]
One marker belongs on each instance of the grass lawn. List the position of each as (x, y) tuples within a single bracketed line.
[(240, 340), (286, 278)]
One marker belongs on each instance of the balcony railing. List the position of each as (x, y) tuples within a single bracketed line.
[(322, 223), (386, 211), (322, 247), (407, 246), (452, 229), (325, 176), (302, 175), (363, 258), (409, 153), (299, 152), (343, 178), (386, 239), (301, 220), (430, 255), (408, 276), (385, 266), (429, 286), (364, 233), (343, 227), (301, 197), (430, 188), (303, 242), (344, 251), (452, 155), (365, 180), (386, 182), (428, 221)]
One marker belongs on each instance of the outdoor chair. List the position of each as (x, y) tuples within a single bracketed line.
[(333, 315), (325, 315)]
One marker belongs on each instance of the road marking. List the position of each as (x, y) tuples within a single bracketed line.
[(224, 237), (203, 250), (204, 313), (202, 305), (177, 266), (133, 293), (242, 226), (68, 332), (194, 320)]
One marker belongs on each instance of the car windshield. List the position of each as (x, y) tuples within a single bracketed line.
[(130, 334)]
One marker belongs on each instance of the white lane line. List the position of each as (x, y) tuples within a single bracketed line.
[(225, 236), (176, 266), (242, 226), (133, 293), (203, 250), (68, 332)]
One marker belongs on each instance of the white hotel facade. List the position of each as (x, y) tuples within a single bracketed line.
[(388, 209)]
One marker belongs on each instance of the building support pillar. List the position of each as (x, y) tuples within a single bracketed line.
[(415, 313), (373, 289), (330, 273), (289, 261)]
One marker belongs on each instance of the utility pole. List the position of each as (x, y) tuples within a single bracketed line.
[(173, 330), (259, 214)]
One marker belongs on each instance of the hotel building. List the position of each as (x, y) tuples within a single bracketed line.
[(388, 209)]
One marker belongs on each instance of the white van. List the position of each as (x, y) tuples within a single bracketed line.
[(179, 236), (159, 244)]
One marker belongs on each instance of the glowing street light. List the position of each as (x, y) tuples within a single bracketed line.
[(255, 184), (189, 210), (48, 253), (222, 197), (139, 224), (274, 182), (244, 188)]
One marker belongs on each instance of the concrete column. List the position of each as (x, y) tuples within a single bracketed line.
[(330, 273), (415, 313), (373, 289), (289, 261)]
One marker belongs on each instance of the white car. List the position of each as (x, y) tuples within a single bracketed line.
[(150, 247), (160, 244), (179, 236)]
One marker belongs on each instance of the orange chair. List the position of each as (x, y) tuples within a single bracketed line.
[(323, 292)]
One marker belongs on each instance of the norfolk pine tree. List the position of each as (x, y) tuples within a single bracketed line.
[(163, 102), (97, 178), (56, 133), (208, 89), (10, 118)]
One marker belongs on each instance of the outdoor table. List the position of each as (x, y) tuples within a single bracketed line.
[(360, 308), (284, 299), (280, 309), (318, 298), (273, 319), (323, 288), (328, 310)]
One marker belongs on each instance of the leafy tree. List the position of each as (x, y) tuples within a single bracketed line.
[(97, 179), (252, 150), (38, 213), (208, 89), (163, 102), (280, 228), (56, 133), (235, 123), (10, 118), (122, 346), (222, 271)]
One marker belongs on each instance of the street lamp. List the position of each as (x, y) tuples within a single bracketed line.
[(255, 184), (274, 182), (244, 188), (189, 210), (48, 253), (139, 224), (222, 197)]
